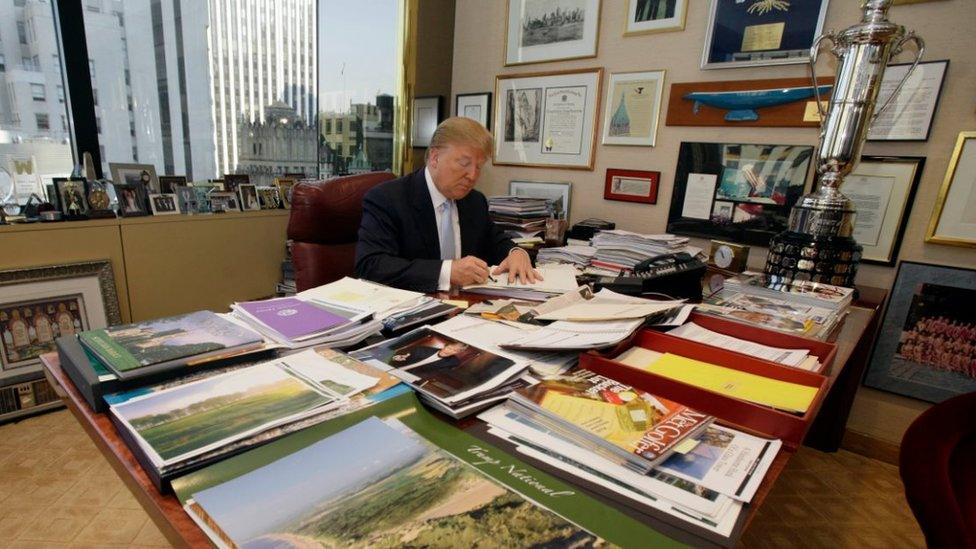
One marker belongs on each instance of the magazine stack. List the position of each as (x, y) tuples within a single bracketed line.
[(518, 216), (578, 256), (295, 323)]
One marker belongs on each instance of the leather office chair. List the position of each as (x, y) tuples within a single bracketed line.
[(323, 226), (938, 469)]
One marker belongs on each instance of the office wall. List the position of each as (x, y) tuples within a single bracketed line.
[(946, 26), (435, 54)]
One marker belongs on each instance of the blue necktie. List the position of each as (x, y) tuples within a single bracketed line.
[(446, 230)]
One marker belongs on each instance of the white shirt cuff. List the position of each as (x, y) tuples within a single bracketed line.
[(444, 280)]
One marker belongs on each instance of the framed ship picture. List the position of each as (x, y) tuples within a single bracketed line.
[(737, 192), (925, 347), (551, 30), (747, 33)]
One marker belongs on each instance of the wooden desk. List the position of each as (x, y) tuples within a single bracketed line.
[(181, 531)]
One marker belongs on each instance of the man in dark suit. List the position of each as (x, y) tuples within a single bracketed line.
[(430, 230)]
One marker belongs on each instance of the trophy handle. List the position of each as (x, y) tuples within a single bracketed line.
[(910, 37), (814, 53)]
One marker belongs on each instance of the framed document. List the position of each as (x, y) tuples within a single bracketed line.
[(737, 192), (883, 190), (558, 193), (743, 33), (633, 108), (646, 16), (909, 116), (476, 106), (426, 117), (924, 349), (550, 30), (631, 186), (547, 119), (954, 219)]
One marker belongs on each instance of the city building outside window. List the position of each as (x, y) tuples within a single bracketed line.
[(43, 121), (22, 32), (37, 92), (3, 63)]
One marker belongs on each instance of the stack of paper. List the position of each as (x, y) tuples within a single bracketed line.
[(295, 323), (772, 313), (365, 297), (801, 292), (579, 256), (517, 214), (796, 358), (557, 279), (425, 311), (623, 250), (452, 376)]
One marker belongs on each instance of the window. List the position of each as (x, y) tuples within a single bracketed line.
[(3, 63), (95, 96), (37, 92), (43, 122), (20, 3), (98, 124), (22, 32), (91, 68), (64, 123), (60, 93)]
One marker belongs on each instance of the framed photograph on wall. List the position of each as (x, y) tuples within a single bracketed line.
[(164, 204), (633, 108), (550, 30), (748, 33), (954, 218), (925, 347), (426, 117), (631, 186), (909, 116), (476, 106), (547, 119), (40, 304), (558, 193), (646, 16), (130, 174), (883, 189), (737, 192)]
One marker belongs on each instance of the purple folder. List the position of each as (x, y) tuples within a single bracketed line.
[(292, 318)]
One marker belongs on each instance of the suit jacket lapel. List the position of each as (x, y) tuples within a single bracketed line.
[(426, 222)]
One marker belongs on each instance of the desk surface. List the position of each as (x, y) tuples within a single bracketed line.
[(180, 530)]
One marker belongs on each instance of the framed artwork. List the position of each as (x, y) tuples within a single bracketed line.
[(646, 16), (909, 116), (132, 199), (224, 201), (248, 194), (131, 174), (883, 189), (476, 106), (547, 119), (426, 117), (631, 186), (164, 204), (558, 193), (925, 348), (40, 304), (71, 197), (202, 192), (167, 183), (747, 33), (954, 218), (284, 186), (233, 180), (550, 30), (186, 199), (633, 108), (268, 196), (737, 192)]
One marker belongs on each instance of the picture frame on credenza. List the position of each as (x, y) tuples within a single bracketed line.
[(130, 174), (551, 30), (164, 204)]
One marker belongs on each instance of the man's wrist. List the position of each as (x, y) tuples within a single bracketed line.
[(519, 249)]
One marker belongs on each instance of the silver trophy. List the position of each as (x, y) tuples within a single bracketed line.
[(818, 245)]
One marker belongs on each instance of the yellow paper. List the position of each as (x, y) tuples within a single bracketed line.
[(811, 114), (612, 422), (734, 383), (763, 37)]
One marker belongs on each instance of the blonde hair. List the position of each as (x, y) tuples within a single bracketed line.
[(458, 130)]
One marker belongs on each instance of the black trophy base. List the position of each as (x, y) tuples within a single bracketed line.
[(830, 260)]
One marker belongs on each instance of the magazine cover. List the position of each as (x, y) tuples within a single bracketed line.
[(133, 346), (639, 423)]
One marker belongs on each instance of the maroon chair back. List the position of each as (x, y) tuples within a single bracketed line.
[(938, 469), (324, 225)]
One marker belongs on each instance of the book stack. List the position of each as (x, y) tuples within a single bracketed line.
[(579, 256), (295, 323), (454, 377), (621, 250), (520, 217), (426, 310), (287, 286), (176, 428)]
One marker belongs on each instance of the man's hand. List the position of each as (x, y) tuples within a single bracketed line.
[(468, 270), (518, 265)]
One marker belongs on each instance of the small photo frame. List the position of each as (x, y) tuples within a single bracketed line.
[(268, 196), (224, 201), (132, 199), (631, 186), (648, 16), (476, 106), (954, 218), (71, 198), (167, 183), (233, 180), (633, 108), (550, 30), (186, 199), (284, 186), (426, 117), (164, 204), (558, 193), (131, 174), (249, 197)]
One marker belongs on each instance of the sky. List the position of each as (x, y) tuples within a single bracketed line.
[(361, 36)]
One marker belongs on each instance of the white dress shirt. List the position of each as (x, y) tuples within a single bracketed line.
[(437, 199)]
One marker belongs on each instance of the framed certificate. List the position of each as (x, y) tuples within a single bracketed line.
[(631, 186), (743, 33), (909, 116), (547, 119), (550, 30), (633, 108), (954, 219), (476, 106)]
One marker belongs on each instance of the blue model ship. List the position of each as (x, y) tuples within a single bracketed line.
[(742, 104)]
